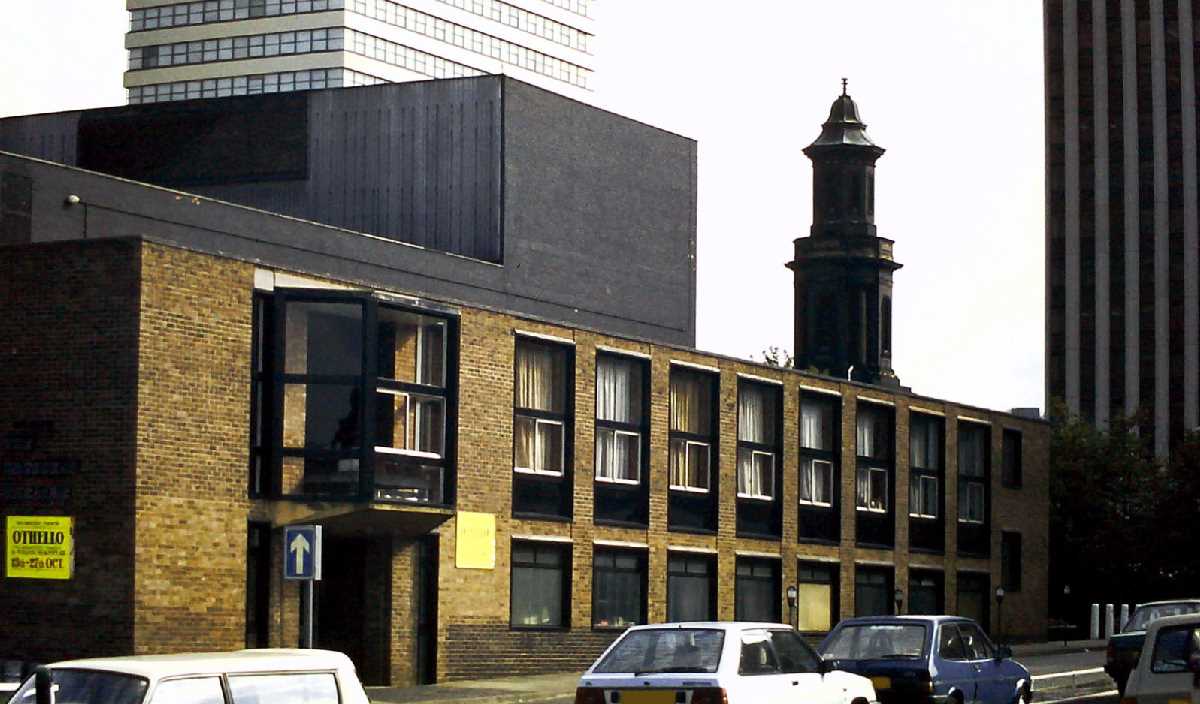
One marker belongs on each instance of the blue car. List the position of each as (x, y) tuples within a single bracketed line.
[(927, 660)]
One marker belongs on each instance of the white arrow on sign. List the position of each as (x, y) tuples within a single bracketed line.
[(299, 546)]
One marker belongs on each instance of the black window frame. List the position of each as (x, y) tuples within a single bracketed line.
[(819, 523), (565, 550), (710, 577), (759, 515), (938, 579), (642, 572), (974, 536), (1012, 472), (774, 580), (270, 342), (807, 573), (694, 510), (889, 587), (615, 501), (544, 495), (876, 528), (262, 411), (1011, 561), (916, 472)]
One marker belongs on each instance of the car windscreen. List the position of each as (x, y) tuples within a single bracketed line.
[(73, 686), (1145, 614), (876, 641), (656, 650)]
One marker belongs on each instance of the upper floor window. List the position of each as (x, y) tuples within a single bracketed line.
[(691, 430), (874, 436), (925, 465), (757, 414), (817, 451), (1011, 471), (619, 415), (539, 407), (972, 472)]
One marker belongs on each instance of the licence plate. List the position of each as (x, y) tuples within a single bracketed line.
[(641, 696), (881, 682)]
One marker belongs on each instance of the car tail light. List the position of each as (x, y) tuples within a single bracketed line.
[(709, 695), (589, 695)]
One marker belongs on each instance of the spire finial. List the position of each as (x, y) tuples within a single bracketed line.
[(844, 81)]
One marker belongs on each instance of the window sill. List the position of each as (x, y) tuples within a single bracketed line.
[(688, 490), (817, 541), (619, 524), (532, 516), (537, 473), (756, 497), (757, 536), (541, 629), (965, 522), (407, 453), (627, 483), (922, 517), (815, 506), (691, 530), (876, 511), (874, 546)]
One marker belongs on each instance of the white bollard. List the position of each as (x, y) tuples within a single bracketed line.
[(1124, 618), (1108, 621), (1094, 632)]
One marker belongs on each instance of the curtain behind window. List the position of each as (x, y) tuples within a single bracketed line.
[(539, 378), (756, 414), (924, 448), (816, 424), (971, 451), (691, 404), (872, 432), (618, 390)]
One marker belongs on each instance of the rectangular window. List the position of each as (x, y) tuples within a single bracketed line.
[(816, 482), (925, 593), (618, 588), (620, 386), (816, 593), (873, 592), (540, 596), (756, 590), (1012, 474), (872, 490), (757, 414), (874, 432), (540, 407), (925, 442), (691, 587), (973, 595), (691, 430), (923, 496), (816, 423), (972, 473), (1010, 561)]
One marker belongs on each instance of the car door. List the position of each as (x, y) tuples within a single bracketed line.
[(955, 670), (189, 690), (759, 677), (1165, 679), (990, 687), (800, 667)]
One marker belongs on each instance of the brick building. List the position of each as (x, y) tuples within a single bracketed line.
[(501, 490)]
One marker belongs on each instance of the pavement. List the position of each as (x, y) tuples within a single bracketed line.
[(1060, 672)]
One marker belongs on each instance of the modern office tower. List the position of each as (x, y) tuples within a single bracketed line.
[(1122, 308), (215, 48)]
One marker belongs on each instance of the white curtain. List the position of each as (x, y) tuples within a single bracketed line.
[(872, 432), (756, 414), (816, 425), (823, 482), (691, 404), (971, 451), (618, 390), (539, 382), (807, 490), (863, 488)]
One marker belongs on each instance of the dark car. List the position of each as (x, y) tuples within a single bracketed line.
[(927, 660), (1125, 647)]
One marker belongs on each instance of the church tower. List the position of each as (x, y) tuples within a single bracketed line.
[(843, 269)]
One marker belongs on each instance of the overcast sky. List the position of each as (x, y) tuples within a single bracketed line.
[(952, 89)]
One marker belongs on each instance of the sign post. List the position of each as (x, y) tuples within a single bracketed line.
[(302, 561)]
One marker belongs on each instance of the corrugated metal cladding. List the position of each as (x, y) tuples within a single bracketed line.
[(420, 163)]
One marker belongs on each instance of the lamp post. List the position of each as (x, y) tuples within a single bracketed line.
[(898, 596), (1066, 611), (791, 600), (999, 614)]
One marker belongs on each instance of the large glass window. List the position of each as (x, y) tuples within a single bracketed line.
[(873, 443), (691, 581), (620, 385), (310, 688), (757, 414), (925, 466), (691, 430), (816, 597), (817, 451), (618, 588), (540, 407), (540, 585), (872, 591), (972, 472), (925, 593), (756, 590)]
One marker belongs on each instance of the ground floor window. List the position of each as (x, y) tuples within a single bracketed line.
[(973, 592), (925, 593), (756, 590), (691, 593), (618, 588), (873, 591), (540, 585), (816, 595)]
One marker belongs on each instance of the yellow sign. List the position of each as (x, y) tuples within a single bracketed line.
[(475, 541), (39, 547)]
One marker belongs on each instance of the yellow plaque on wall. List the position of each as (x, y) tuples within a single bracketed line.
[(475, 541), (39, 547)]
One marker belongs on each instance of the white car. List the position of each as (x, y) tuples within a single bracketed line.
[(242, 677), (1168, 670), (716, 663)]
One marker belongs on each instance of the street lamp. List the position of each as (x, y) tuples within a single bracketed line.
[(791, 599), (898, 596), (1000, 613), (1066, 611)]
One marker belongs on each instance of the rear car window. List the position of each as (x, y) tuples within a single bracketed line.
[(189, 690), (1172, 648), (665, 650), (292, 688), (73, 686), (876, 641)]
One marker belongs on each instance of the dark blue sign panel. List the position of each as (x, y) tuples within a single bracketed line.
[(302, 552)]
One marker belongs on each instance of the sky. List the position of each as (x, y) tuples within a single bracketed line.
[(953, 89)]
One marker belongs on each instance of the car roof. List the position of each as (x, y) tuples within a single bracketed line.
[(241, 661), (1168, 621), (1169, 601), (865, 620), (712, 625)]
